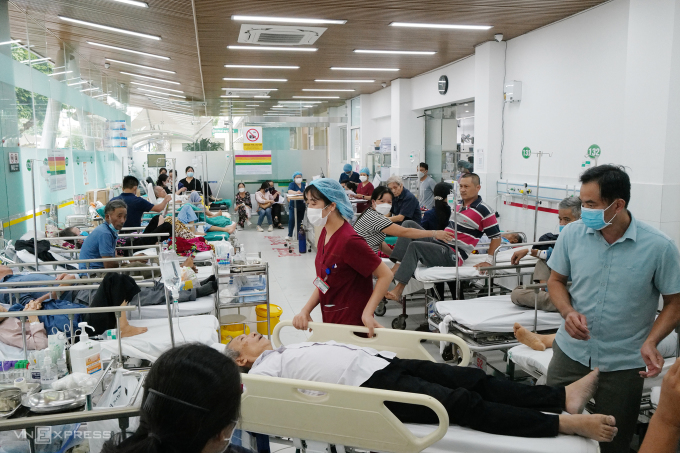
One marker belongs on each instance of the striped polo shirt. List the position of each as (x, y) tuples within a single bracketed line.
[(473, 222)]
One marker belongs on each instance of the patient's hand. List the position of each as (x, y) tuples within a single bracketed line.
[(518, 255), (33, 305), (481, 265)]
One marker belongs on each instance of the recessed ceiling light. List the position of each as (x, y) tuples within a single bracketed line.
[(262, 97), (316, 97), (140, 66), (448, 26), (13, 41), (243, 101), (123, 49), (159, 92), (465, 105), (229, 96), (60, 73), (258, 66), (36, 60), (300, 102), (237, 79), (288, 49), (77, 83), (344, 81), (106, 27), (133, 3), (324, 89), (308, 106), (291, 20), (250, 89), (149, 78), (155, 87), (397, 52), (363, 69), (253, 105)]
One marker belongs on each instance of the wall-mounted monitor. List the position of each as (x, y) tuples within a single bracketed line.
[(155, 160)]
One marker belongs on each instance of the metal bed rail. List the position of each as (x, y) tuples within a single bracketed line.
[(56, 282), (495, 253), (104, 270)]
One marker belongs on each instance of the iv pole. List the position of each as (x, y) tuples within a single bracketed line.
[(35, 220), (538, 185)]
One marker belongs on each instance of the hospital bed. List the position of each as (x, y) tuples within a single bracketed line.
[(357, 417)]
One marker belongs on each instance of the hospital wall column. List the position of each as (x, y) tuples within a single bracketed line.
[(48, 140), (489, 72), (407, 130)]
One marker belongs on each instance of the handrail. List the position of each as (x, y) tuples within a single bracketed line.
[(498, 249), (62, 289), (67, 311), (137, 235), (112, 259), (103, 270), (58, 282)]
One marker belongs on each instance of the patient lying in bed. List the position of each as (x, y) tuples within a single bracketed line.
[(471, 397)]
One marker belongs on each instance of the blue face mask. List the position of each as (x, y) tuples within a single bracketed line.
[(190, 174), (562, 227), (594, 218), (115, 231)]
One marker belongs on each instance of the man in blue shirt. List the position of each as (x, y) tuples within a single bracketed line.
[(101, 243), (137, 206), (405, 205), (349, 175), (618, 266)]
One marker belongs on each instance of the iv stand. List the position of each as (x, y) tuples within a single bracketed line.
[(35, 220), (174, 194), (538, 185), (455, 238)]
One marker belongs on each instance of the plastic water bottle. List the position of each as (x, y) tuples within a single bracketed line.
[(48, 374), (302, 240)]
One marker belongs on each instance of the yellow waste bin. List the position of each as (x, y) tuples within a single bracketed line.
[(230, 331), (274, 312)]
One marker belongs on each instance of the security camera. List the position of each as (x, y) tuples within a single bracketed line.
[(383, 84), (107, 65), (498, 37)]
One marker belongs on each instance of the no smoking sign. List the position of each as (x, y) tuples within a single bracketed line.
[(252, 140)]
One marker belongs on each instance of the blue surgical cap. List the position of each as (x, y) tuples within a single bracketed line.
[(347, 167), (365, 170), (186, 214), (465, 164), (297, 173), (336, 194)]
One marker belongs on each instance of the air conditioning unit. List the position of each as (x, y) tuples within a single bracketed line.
[(278, 35)]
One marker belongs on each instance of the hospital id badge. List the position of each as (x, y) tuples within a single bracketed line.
[(322, 285)]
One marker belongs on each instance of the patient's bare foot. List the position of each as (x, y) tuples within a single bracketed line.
[(601, 428), (131, 331), (580, 392), (528, 338), (395, 294)]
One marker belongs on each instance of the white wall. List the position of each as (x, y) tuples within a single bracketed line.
[(461, 74)]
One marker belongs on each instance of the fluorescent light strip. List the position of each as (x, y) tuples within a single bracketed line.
[(285, 49), (309, 106), (262, 97), (152, 96), (237, 79), (89, 89), (60, 73), (316, 97), (133, 3), (13, 41), (300, 102), (158, 88), (241, 101), (140, 66), (324, 89), (289, 20), (257, 66), (334, 68), (229, 96), (444, 26), (36, 61), (106, 27), (123, 49), (160, 92), (77, 83), (255, 105), (397, 52), (250, 89), (149, 78), (100, 95), (344, 81)]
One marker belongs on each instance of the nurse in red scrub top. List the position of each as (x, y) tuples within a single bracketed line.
[(345, 264)]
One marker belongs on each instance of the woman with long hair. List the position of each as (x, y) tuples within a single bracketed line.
[(191, 403), (243, 204), (437, 218)]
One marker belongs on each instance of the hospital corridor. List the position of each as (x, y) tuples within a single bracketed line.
[(339, 227)]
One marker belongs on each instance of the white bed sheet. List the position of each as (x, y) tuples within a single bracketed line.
[(495, 314), (200, 306), (465, 440), (28, 258), (537, 362), (467, 270)]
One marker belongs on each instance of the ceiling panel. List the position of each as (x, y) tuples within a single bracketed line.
[(367, 27)]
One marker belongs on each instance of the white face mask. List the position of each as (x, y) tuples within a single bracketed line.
[(315, 216), (298, 181), (421, 174), (363, 178), (241, 189), (383, 208)]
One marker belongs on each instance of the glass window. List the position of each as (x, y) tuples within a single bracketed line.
[(356, 112)]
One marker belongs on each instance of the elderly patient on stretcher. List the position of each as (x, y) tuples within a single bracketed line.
[(471, 397)]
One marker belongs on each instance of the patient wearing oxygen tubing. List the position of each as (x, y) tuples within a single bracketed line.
[(471, 397)]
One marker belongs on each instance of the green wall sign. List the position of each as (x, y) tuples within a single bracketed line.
[(28, 165), (594, 151), (526, 152)]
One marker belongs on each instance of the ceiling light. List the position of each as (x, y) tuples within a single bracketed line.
[(159, 92), (60, 73), (258, 66), (13, 41), (467, 111), (157, 88), (153, 96), (465, 105), (35, 61), (263, 97), (324, 89), (243, 101), (290, 49), (316, 97), (300, 102), (447, 26), (149, 78), (122, 49), (396, 52), (229, 96), (253, 105), (106, 27), (100, 95), (133, 3), (250, 89), (77, 83), (237, 79), (290, 20), (364, 69), (344, 81), (89, 89), (308, 106), (140, 66)]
